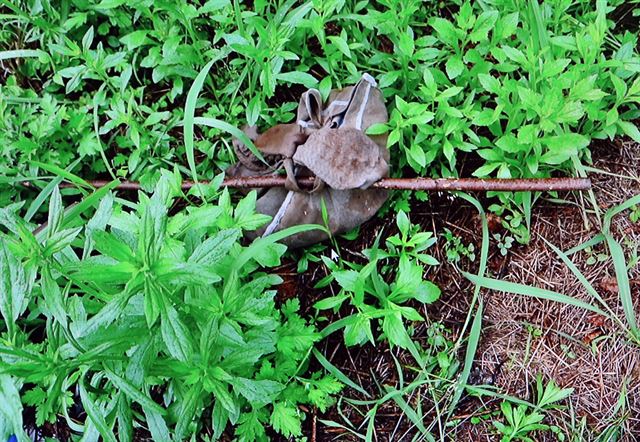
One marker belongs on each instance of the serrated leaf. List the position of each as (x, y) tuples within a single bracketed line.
[(484, 23), (395, 331), (286, 420), (446, 31), (489, 83), (53, 297), (454, 67), (13, 286), (260, 392), (10, 405)]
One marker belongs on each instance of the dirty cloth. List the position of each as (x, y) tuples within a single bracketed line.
[(327, 141)]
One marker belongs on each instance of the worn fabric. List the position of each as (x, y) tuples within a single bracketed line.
[(327, 141)]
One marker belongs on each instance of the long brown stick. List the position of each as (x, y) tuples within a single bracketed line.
[(427, 184)]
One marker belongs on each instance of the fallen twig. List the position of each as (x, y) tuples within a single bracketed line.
[(426, 184)]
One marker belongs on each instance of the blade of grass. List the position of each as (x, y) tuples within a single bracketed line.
[(608, 216), (247, 253), (133, 393), (44, 194), (61, 172), (338, 374), (597, 239), (231, 129), (474, 336), (411, 414), (583, 280), (89, 201), (96, 130), (482, 391), (620, 264), (622, 278), (535, 292), (189, 112), (469, 357)]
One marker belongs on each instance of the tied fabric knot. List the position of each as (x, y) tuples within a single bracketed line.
[(328, 142)]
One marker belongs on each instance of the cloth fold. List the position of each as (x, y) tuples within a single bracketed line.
[(327, 141)]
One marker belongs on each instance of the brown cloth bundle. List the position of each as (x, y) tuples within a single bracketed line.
[(327, 141)]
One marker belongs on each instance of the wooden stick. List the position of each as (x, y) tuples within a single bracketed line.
[(426, 184)]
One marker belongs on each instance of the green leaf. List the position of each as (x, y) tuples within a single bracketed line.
[(395, 331), (109, 245), (214, 249), (630, 129), (253, 110), (134, 393), (341, 44), (42, 196), (403, 223), (454, 67), (189, 113), (260, 393), (187, 412), (490, 83), (157, 426), (53, 297), (14, 287), (446, 31), (296, 77), (563, 147), (60, 240), (338, 374), (285, 419), (330, 302), (175, 335), (427, 292), (484, 23), (61, 172), (515, 55), (357, 329), (23, 53), (521, 289), (95, 415), (10, 406), (135, 39), (250, 428), (230, 129), (406, 43)]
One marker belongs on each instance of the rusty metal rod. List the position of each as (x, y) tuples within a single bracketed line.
[(427, 184)]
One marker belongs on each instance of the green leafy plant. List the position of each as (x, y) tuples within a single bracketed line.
[(381, 302), (504, 243), (634, 216), (168, 312), (455, 249), (523, 419)]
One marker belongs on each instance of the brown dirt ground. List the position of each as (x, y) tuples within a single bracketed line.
[(521, 336)]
